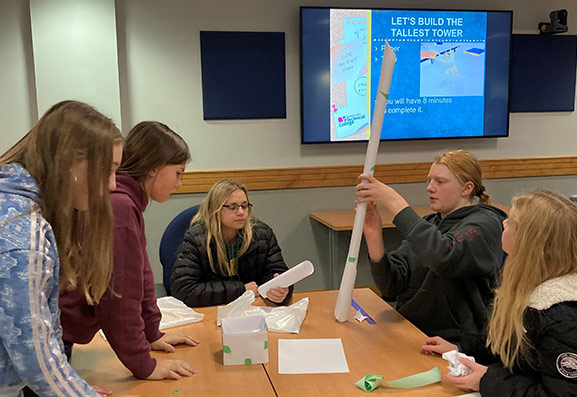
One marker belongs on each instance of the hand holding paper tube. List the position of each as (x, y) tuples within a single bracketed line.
[(288, 278), (343, 304)]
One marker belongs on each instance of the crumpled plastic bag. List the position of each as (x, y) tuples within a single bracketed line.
[(456, 367), (175, 313), (240, 307), (286, 319)]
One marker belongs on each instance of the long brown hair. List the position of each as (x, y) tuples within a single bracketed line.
[(68, 132), (209, 215), (544, 247), (466, 168), (150, 145)]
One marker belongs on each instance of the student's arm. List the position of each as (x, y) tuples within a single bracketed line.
[(392, 273), (471, 248), (274, 263), (150, 312), (373, 233), (557, 358), (193, 281), (29, 319), (120, 312)]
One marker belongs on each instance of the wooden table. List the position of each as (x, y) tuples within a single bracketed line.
[(338, 221), (389, 348)]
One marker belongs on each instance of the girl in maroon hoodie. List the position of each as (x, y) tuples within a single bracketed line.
[(154, 159)]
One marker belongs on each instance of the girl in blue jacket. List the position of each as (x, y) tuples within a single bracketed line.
[(45, 187)]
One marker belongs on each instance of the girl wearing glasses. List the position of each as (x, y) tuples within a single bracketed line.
[(154, 158), (532, 334), (227, 251), (55, 179)]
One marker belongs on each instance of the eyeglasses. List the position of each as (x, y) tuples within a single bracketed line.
[(235, 207)]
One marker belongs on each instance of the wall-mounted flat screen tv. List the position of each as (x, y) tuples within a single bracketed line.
[(451, 78)]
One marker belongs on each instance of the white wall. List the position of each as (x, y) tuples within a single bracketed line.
[(163, 62), (160, 79), (75, 53), (17, 88)]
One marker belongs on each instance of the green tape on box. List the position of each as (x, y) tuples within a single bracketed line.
[(247, 361), (371, 382), (226, 349)]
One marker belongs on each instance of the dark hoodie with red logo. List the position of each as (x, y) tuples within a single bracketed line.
[(444, 273)]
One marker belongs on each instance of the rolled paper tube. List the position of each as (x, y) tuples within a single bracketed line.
[(342, 307)]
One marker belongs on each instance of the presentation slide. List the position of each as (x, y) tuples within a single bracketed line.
[(438, 84)]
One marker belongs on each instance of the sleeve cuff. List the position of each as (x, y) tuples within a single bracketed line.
[(154, 337), (145, 370), (406, 219)]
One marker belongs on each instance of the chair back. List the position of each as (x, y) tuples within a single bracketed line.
[(171, 241)]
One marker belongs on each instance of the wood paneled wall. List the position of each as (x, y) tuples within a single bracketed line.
[(346, 175)]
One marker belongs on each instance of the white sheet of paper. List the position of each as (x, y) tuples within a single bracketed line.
[(471, 395), (311, 356)]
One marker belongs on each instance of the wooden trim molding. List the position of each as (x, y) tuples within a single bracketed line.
[(346, 175)]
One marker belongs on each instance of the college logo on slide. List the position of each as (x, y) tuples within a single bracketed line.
[(567, 365)]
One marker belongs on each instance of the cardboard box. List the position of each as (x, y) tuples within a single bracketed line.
[(244, 340)]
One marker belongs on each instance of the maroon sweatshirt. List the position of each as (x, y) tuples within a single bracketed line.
[(130, 321)]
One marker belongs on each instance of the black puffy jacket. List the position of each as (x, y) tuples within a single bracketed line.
[(194, 282), (551, 325)]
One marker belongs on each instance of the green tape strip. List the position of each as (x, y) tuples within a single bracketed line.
[(225, 349), (247, 361), (417, 380), (369, 383), (266, 344), (351, 259), (385, 95)]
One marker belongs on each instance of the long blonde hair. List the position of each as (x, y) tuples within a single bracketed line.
[(544, 247), (466, 168), (67, 132), (209, 216)]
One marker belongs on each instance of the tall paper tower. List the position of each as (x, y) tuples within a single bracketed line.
[(342, 308)]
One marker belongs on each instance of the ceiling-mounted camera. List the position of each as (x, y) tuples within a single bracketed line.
[(558, 23)]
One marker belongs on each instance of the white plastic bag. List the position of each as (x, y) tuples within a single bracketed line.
[(175, 313), (286, 319), (240, 307)]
